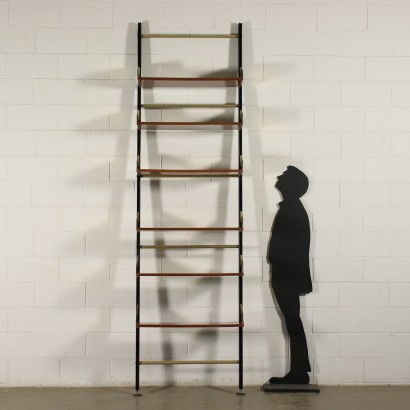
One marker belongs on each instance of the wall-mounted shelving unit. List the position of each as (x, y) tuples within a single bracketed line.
[(144, 173)]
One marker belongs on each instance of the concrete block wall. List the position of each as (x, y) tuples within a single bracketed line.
[(327, 88)]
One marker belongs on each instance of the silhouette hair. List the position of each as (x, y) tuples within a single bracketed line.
[(297, 183)]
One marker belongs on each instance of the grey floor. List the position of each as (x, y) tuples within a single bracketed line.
[(181, 398)]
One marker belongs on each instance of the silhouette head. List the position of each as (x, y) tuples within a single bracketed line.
[(293, 183)]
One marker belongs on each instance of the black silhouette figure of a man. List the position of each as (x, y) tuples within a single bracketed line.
[(288, 255)]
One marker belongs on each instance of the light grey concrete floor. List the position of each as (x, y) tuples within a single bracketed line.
[(212, 398)]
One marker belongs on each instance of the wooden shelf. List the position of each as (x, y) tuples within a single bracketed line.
[(187, 325), (192, 173), (193, 35), (207, 125), (179, 106), (173, 247), (150, 82)]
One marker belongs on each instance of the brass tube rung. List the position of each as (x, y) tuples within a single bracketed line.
[(186, 171), (152, 362), (189, 246), (172, 106), (190, 274), (188, 325), (189, 175), (191, 229), (176, 35)]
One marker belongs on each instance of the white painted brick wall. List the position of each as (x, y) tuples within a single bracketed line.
[(291, 17), (85, 371), (86, 15), (341, 17), (17, 39), (61, 40), (4, 7), (327, 89), (39, 371), (39, 14), (2, 64), (31, 65), (29, 269)]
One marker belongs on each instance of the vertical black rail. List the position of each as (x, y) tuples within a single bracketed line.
[(240, 203), (138, 259)]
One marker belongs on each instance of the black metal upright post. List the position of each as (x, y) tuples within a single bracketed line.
[(138, 225), (240, 202)]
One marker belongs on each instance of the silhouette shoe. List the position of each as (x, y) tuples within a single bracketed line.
[(291, 378)]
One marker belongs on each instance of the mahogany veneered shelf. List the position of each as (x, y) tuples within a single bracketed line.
[(170, 247), (149, 82), (183, 125), (187, 105), (181, 173), (189, 35)]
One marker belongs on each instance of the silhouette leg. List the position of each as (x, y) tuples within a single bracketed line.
[(299, 358), (290, 306)]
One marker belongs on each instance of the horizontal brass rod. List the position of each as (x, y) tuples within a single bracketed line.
[(233, 77), (171, 35), (171, 106), (187, 171), (149, 362), (189, 274), (189, 175), (190, 229), (189, 246), (188, 325)]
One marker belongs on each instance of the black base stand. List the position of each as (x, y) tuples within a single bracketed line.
[(290, 388)]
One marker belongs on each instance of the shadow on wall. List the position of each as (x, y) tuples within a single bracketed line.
[(107, 299), (120, 290), (108, 357)]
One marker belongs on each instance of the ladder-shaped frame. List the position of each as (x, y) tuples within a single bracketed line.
[(150, 82)]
